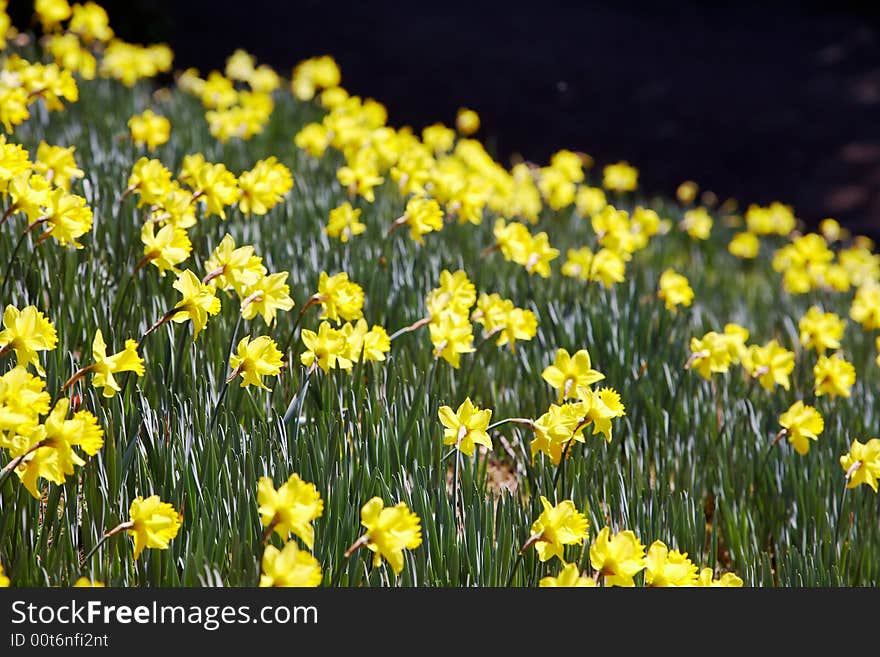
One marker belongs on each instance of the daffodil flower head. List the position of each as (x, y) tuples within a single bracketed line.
[(291, 509), (589, 200), (697, 223), (466, 427), (618, 558), (665, 567), (153, 523), (198, 302), (862, 463), (865, 307), (254, 359), (675, 290), (149, 129), (266, 297), (390, 531), (833, 376), (327, 348), (27, 332), (104, 367), (820, 330), (744, 245), (570, 371), (801, 424), (452, 335), (264, 186), (455, 294), (771, 364), (231, 268), (569, 577), (151, 180), (344, 223), (605, 266), (423, 216), (727, 580), (289, 566), (558, 526), (340, 298), (67, 217), (57, 165), (166, 248), (620, 177)]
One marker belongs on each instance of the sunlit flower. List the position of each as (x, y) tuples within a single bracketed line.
[(254, 359), (618, 558), (665, 567), (862, 463), (833, 376), (289, 566), (291, 509), (153, 523), (569, 576), (466, 427), (801, 423), (558, 526)]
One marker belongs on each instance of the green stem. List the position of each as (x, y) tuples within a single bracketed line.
[(560, 470), (840, 515), (11, 262)]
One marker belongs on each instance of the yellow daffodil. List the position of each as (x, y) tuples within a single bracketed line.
[(291, 509), (27, 332), (343, 223), (617, 558), (820, 330), (675, 290), (149, 129), (266, 297), (833, 376), (605, 266), (862, 463), (770, 364), (865, 307), (727, 580), (744, 245), (104, 367), (570, 371), (264, 186), (153, 523), (327, 348), (289, 566), (556, 527), (801, 423), (231, 268), (57, 165), (452, 335), (697, 223), (166, 248), (390, 531), (466, 427), (340, 298), (589, 200), (198, 303), (620, 177), (665, 567), (570, 577), (254, 359)]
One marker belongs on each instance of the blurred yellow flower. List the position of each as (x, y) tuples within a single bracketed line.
[(289, 566)]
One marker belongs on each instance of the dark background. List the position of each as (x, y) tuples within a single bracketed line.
[(759, 101)]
